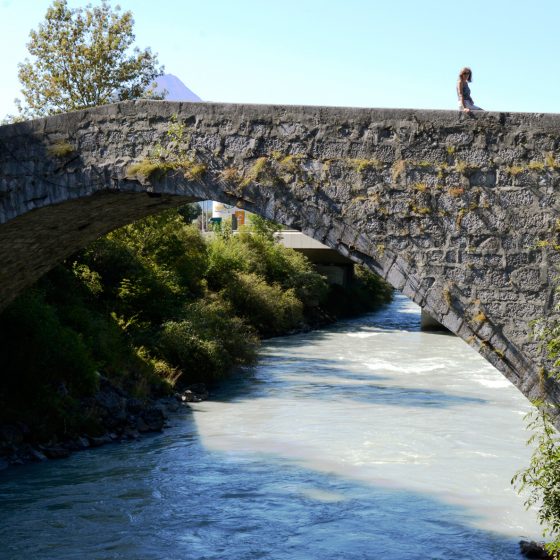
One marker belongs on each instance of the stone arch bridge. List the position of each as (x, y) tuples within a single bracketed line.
[(458, 212)]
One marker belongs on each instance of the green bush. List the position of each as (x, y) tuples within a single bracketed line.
[(46, 366), (208, 343), (173, 251), (269, 308), (227, 255), (288, 268), (541, 479), (152, 305), (35, 345), (263, 228)]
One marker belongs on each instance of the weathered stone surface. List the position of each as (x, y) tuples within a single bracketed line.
[(459, 212)]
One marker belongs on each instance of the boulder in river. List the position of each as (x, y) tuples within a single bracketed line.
[(194, 393)]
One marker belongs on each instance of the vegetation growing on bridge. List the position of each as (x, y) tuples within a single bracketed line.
[(176, 155), (61, 149)]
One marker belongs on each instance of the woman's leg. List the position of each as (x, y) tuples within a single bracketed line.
[(472, 106)]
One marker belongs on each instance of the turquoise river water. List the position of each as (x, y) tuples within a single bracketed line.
[(366, 440)]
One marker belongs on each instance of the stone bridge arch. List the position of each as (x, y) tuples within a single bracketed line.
[(457, 212)]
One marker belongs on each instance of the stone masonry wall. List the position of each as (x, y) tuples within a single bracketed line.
[(458, 212)]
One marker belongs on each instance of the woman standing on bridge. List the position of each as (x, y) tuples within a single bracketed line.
[(466, 103)]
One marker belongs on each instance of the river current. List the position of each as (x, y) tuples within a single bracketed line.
[(366, 440)]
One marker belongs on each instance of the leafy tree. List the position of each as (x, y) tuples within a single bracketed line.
[(540, 481), (264, 227), (83, 58), (190, 212)]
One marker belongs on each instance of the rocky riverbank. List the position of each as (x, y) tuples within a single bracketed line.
[(119, 417), (532, 549)]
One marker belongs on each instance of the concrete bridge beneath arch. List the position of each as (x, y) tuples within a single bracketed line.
[(460, 213)]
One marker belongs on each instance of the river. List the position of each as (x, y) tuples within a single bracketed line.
[(366, 440)]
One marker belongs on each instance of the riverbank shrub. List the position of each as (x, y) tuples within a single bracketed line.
[(540, 481), (46, 366), (208, 342), (270, 309), (154, 305)]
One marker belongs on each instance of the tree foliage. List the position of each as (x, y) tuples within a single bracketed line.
[(153, 304), (541, 479), (82, 58)]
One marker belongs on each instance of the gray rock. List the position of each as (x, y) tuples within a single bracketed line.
[(131, 433), (134, 406), (10, 435), (99, 440), (56, 452), (37, 455), (150, 420), (532, 549)]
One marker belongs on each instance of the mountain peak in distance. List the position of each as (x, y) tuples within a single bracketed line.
[(176, 89)]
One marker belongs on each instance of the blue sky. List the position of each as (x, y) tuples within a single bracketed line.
[(391, 53)]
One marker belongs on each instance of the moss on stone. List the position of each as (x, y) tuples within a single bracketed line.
[(480, 317), (147, 169), (154, 169), (230, 175), (398, 169), (60, 149), (447, 296), (460, 216), (255, 172), (194, 171), (550, 161), (423, 210), (536, 165), (290, 164), (361, 165), (456, 191), (172, 157), (442, 170), (515, 169), (464, 168)]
